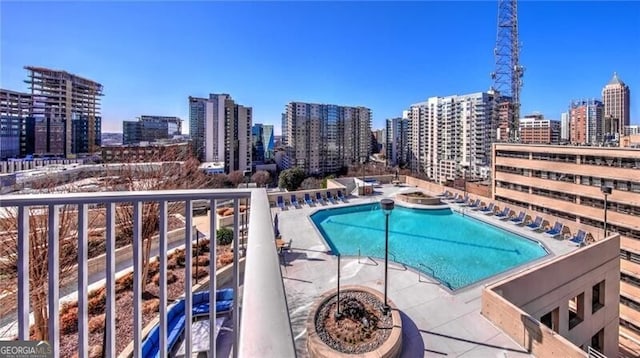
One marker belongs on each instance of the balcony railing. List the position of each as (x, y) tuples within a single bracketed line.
[(264, 306)]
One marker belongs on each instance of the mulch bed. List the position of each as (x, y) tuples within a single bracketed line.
[(124, 306), (362, 326)]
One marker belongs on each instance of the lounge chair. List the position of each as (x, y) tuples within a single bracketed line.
[(294, 201), (462, 200), (445, 194), (556, 230), (504, 214), (475, 205), (488, 209), (330, 198), (536, 224), (580, 238), (280, 202), (519, 220), (308, 199), (319, 199), (452, 197), (341, 197), (283, 246)]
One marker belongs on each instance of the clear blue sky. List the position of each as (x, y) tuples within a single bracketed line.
[(150, 56)]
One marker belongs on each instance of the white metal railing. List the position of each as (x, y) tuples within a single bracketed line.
[(592, 353), (263, 290)]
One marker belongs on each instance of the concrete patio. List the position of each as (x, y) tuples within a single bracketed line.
[(436, 322)]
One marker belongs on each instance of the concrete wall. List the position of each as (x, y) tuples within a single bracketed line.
[(332, 187), (14, 166), (517, 303)]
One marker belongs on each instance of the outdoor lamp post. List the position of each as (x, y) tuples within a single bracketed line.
[(606, 190), (387, 206)]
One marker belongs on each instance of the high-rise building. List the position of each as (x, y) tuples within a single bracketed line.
[(565, 183), (324, 138), (221, 131), (535, 129), (396, 142), (565, 126), (449, 136), (268, 139), (150, 129), (14, 109), (586, 122), (64, 111), (616, 99), (262, 142)]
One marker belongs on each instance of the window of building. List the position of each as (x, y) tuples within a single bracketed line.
[(576, 310), (597, 296), (597, 341), (552, 319)]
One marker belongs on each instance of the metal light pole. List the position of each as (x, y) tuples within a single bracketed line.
[(606, 190), (362, 159), (387, 206), (338, 314)]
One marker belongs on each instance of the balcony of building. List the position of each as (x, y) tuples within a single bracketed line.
[(259, 302)]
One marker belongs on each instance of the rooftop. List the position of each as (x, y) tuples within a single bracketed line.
[(435, 320)]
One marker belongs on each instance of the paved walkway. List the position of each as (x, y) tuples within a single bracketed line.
[(436, 322)]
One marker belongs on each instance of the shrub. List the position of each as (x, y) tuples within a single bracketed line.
[(225, 259), (95, 351), (96, 323), (224, 236), (97, 304), (172, 264), (171, 278), (67, 306), (69, 321), (97, 292), (199, 272), (202, 260), (124, 283), (201, 247), (151, 306), (154, 267)]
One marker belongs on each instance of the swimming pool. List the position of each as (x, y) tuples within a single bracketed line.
[(456, 250)]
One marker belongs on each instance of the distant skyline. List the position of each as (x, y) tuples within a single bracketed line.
[(151, 56)]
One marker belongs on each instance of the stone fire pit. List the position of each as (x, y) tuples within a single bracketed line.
[(362, 328), (418, 197)]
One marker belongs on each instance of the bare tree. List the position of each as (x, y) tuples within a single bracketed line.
[(157, 174), (38, 254), (236, 177), (261, 178)]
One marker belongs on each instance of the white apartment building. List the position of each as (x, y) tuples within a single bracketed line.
[(323, 138), (397, 146), (449, 136), (565, 126), (221, 131)]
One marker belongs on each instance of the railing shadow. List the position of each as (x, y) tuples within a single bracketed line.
[(473, 342), (412, 343)]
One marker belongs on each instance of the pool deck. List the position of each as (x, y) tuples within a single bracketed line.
[(436, 322)]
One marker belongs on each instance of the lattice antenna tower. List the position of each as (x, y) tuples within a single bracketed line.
[(507, 78)]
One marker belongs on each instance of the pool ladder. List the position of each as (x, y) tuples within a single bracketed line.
[(433, 274)]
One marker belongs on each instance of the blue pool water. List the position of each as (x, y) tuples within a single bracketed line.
[(458, 251)]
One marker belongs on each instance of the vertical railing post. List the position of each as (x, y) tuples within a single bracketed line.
[(188, 284), (23, 273), (83, 281), (137, 279), (162, 257), (236, 277), (110, 318), (213, 244), (53, 262)]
